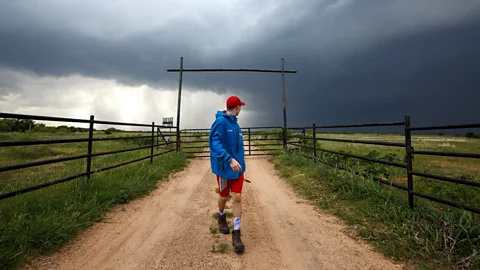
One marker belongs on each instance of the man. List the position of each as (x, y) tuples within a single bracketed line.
[(228, 164)]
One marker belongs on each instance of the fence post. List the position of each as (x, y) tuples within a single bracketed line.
[(153, 141), (158, 135), (314, 144), (249, 143), (90, 144), (408, 156), (178, 139), (304, 139)]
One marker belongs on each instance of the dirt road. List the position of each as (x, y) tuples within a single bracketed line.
[(170, 229)]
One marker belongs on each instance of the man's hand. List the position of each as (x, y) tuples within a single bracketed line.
[(235, 165)]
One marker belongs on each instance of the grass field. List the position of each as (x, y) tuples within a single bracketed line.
[(463, 168), (41, 221), (433, 236)]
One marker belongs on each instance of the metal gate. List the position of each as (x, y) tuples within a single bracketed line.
[(258, 141)]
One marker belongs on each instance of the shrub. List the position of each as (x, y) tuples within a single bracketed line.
[(472, 135)]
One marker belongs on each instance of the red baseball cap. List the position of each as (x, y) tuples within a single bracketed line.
[(234, 101)]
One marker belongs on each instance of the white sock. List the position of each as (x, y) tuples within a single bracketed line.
[(221, 213), (236, 223)]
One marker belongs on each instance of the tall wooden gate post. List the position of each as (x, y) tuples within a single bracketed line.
[(179, 102), (284, 99)]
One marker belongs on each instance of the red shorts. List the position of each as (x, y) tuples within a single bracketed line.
[(224, 185)]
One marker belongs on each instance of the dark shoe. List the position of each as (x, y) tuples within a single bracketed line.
[(237, 241), (222, 224)]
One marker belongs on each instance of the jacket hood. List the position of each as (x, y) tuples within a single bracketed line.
[(226, 115)]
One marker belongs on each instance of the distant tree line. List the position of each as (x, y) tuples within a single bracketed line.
[(25, 125)]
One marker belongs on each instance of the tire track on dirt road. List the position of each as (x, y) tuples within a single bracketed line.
[(170, 229)]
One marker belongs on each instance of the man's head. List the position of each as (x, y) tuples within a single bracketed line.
[(234, 105)]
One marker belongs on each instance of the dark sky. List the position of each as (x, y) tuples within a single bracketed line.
[(357, 61)]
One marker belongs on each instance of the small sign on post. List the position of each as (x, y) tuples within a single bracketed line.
[(168, 121)]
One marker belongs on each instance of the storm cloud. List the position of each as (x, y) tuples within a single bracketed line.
[(357, 61)]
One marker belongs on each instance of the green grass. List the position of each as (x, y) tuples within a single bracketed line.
[(462, 168), (41, 221), (223, 248), (213, 230), (217, 246), (430, 236)]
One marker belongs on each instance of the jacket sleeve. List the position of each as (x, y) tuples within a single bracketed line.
[(216, 147)]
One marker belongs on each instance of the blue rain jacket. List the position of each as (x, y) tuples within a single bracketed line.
[(226, 142)]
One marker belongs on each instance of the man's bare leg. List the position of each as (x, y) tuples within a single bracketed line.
[(221, 203), (237, 204)]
